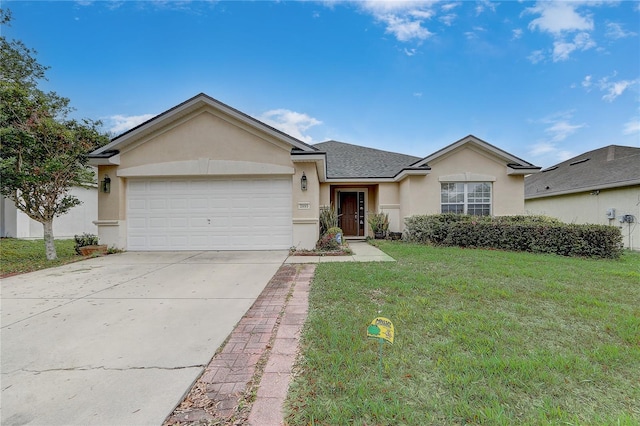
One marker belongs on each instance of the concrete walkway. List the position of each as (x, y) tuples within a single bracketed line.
[(259, 355), (362, 252)]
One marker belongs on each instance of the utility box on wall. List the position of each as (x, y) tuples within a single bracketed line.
[(627, 218), (611, 214)]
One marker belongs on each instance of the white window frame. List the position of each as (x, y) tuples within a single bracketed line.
[(467, 199)]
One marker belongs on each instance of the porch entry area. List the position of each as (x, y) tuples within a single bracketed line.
[(351, 213)]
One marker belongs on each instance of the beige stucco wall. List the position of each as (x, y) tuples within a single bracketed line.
[(306, 206), (388, 201), (207, 142), (586, 208), (325, 194), (204, 134), (466, 164)]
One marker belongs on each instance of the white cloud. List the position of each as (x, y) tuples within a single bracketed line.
[(558, 128), (562, 50), (122, 123), (615, 31), (536, 56), (421, 14), (290, 122), (550, 150), (562, 129), (483, 5), (561, 19), (557, 17), (448, 19), (405, 28), (474, 34), (542, 148), (403, 19), (612, 89), (409, 52), (449, 6), (615, 89), (517, 33), (632, 126), (417, 94)]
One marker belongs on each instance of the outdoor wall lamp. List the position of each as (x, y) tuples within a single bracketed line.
[(303, 182), (105, 185)]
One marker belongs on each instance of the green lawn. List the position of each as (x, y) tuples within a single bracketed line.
[(482, 337), (18, 256)]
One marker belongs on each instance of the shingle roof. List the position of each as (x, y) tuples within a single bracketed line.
[(608, 167), (352, 161)]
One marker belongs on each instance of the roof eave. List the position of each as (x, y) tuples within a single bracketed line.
[(104, 160), (520, 170), (360, 179), (611, 185), (404, 173), (381, 179), (317, 157)]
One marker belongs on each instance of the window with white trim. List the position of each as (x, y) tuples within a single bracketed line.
[(472, 198)]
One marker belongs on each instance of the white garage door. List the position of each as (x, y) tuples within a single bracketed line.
[(209, 214)]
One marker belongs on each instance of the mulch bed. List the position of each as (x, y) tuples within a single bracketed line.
[(320, 253)]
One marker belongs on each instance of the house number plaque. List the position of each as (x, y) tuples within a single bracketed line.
[(304, 206)]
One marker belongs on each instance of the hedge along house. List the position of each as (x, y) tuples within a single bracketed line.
[(205, 176)]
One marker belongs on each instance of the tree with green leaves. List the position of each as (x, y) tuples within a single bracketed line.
[(43, 153)]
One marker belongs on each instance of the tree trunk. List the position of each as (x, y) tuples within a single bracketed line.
[(49, 247)]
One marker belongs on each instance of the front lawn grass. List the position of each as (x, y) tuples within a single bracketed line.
[(19, 256), (482, 337)]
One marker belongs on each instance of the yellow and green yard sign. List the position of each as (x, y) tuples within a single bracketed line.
[(381, 329)]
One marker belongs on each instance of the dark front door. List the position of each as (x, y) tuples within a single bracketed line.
[(349, 213)]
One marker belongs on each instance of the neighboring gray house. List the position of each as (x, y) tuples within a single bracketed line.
[(597, 187)]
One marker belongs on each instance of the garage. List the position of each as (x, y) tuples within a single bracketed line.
[(249, 213)]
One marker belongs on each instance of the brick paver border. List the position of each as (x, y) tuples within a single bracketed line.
[(228, 386)]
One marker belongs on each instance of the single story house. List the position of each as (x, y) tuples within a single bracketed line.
[(598, 187), (205, 176), (16, 224)]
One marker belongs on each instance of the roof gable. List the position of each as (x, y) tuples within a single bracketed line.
[(189, 106), (608, 167), (510, 160)]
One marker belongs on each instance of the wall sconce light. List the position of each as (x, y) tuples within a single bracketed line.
[(303, 182), (105, 185)]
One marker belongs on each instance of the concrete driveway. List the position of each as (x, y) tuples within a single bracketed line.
[(118, 340)]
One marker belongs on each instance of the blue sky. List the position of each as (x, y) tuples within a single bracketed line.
[(542, 80)]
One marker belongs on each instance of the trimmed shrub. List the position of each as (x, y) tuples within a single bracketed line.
[(328, 243), (537, 234), (335, 231), (85, 240)]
